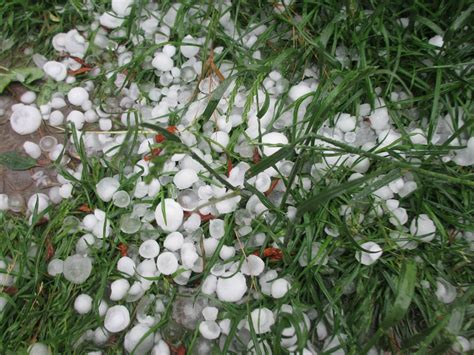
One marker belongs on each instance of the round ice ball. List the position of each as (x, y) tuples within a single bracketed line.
[(77, 268)]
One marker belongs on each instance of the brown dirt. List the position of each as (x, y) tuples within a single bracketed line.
[(13, 182)]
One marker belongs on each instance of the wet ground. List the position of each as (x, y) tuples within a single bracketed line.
[(27, 182)]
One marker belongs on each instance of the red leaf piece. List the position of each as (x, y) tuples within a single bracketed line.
[(256, 156), (159, 138), (172, 129), (272, 186), (123, 248), (229, 166), (85, 208), (154, 153), (49, 250), (79, 71), (273, 253)]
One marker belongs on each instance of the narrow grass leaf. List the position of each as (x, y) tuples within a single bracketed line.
[(269, 161), (216, 97)]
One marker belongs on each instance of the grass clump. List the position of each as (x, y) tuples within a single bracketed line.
[(372, 61)]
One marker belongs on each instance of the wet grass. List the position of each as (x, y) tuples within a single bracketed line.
[(389, 308)]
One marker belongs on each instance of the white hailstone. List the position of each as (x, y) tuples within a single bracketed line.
[(100, 336), (280, 288), (75, 44), (403, 240), (346, 122), (154, 187), (58, 103), (210, 313), (149, 249), (263, 182), (145, 146), (188, 255), (3, 202), (161, 348), (396, 185), (336, 341), (169, 50), (3, 303), (209, 285), (84, 243), (136, 342), (298, 91), (117, 319), (54, 195), (262, 320), (219, 141), (56, 118), (86, 105), (209, 329), (167, 263), (321, 330), (32, 149), (55, 267), (461, 345), (408, 188), (25, 119), (102, 229), (5, 278), (169, 215), (105, 124), (231, 287), (379, 118), (103, 307), (173, 241), (417, 136), (55, 70), (216, 228), (423, 227), (122, 7), (39, 349), (76, 117), (185, 178), (91, 116), (119, 289), (253, 265), (77, 268), (162, 62), (106, 188), (210, 246), (399, 216), (38, 201), (77, 96), (45, 110), (226, 252), (89, 222), (383, 193), (465, 157), (271, 139), (126, 265), (184, 275), (111, 21), (65, 191), (436, 41), (225, 325), (445, 292), (83, 304), (374, 251), (28, 97), (191, 48)]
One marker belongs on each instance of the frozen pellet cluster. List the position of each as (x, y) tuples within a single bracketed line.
[(185, 227)]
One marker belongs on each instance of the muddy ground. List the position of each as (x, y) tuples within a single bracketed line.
[(26, 182)]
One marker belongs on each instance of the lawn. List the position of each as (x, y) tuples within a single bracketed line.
[(239, 177)]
